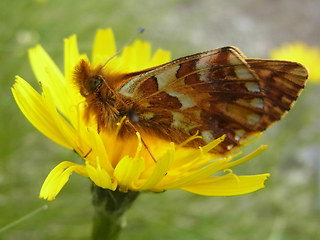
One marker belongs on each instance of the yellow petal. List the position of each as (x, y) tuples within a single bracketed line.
[(128, 170), (104, 46), (247, 157), (71, 59), (57, 178), (228, 185), (41, 62), (194, 176), (191, 158), (142, 54), (128, 60), (100, 177), (49, 74), (71, 56), (99, 150), (37, 112), (160, 57), (160, 170)]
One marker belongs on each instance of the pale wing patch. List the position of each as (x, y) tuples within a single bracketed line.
[(229, 147), (147, 115), (252, 87), (166, 76), (239, 133), (207, 136), (243, 73), (252, 119), (185, 100), (257, 102), (129, 88), (204, 65), (179, 121), (234, 59)]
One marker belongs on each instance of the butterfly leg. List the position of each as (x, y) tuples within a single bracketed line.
[(143, 142), (87, 153)]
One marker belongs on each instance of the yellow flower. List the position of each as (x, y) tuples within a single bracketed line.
[(302, 53), (112, 162)]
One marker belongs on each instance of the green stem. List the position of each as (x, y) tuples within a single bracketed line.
[(109, 207)]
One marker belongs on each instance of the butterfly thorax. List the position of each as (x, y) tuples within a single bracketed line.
[(105, 107)]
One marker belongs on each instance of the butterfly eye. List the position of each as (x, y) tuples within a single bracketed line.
[(93, 84)]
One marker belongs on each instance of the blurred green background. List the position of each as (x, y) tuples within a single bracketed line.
[(289, 206)]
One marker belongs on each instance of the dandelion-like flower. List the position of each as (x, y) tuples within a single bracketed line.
[(300, 52), (109, 161)]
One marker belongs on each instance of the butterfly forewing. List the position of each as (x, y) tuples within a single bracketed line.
[(215, 92)]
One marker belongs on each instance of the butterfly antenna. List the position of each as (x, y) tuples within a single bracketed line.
[(138, 32)]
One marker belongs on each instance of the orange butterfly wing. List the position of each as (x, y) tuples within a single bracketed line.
[(215, 92)]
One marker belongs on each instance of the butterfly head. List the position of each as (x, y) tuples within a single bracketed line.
[(92, 84), (99, 88), (88, 80)]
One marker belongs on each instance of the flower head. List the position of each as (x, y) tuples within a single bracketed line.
[(300, 52), (112, 162)]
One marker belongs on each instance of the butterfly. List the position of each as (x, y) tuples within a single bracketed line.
[(213, 93)]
